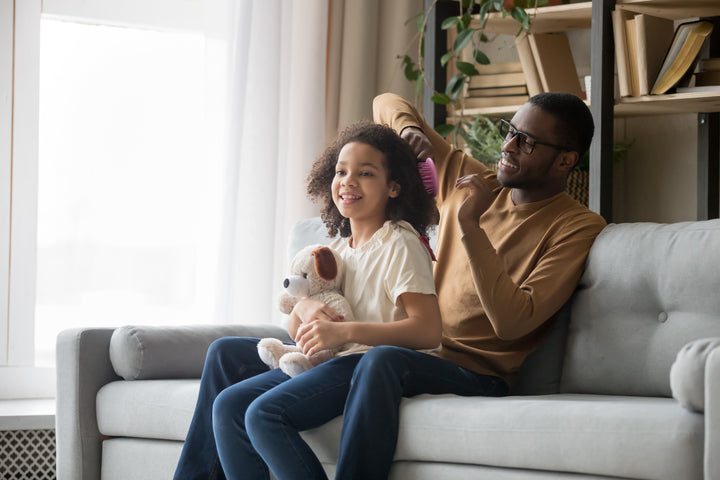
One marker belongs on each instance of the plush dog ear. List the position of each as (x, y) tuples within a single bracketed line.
[(325, 264)]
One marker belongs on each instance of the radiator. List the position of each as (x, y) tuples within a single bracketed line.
[(27, 455)]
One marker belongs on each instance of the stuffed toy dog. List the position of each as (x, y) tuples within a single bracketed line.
[(316, 272)]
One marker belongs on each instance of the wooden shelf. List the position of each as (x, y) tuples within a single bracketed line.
[(672, 9), (691, 102), (555, 18)]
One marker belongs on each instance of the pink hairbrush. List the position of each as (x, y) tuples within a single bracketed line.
[(428, 175)]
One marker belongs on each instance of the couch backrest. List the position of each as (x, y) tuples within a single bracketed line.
[(648, 289), (541, 372)]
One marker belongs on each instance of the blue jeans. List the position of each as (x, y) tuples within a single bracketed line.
[(255, 422)]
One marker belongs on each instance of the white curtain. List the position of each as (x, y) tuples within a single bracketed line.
[(271, 131)]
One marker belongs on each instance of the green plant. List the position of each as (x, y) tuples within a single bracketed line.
[(469, 34), (620, 153), (483, 140)]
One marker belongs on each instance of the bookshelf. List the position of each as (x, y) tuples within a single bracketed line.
[(596, 16)]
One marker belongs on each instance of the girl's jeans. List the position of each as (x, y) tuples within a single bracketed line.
[(254, 415)]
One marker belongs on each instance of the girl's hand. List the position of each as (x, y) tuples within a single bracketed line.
[(418, 141), (479, 198), (320, 335), (309, 310)]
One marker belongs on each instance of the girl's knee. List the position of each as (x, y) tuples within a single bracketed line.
[(381, 361), (381, 356)]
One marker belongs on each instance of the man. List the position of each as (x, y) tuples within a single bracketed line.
[(511, 249)]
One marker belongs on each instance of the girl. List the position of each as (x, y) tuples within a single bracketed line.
[(251, 418)]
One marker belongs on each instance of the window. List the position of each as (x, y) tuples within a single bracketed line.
[(128, 194)]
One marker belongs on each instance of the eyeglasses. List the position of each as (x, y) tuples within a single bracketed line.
[(525, 142)]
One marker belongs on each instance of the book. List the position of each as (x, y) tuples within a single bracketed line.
[(497, 91), (497, 80), (499, 67), (504, 101), (555, 63), (709, 64), (706, 78), (706, 88), (654, 35), (532, 77), (621, 59), (682, 54), (631, 44)]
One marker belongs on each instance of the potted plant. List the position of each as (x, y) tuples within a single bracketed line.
[(468, 35), (483, 142)]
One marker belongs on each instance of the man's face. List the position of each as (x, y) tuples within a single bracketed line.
[(534, 173)]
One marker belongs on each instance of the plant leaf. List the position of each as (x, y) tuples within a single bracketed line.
[(467, 68), (446, 58), (444, 129), (440, 98), (522, 17), (463, 39), (480, 57), (454, 86), (449, 23)]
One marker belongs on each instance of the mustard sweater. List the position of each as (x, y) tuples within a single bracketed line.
[(498, 286)]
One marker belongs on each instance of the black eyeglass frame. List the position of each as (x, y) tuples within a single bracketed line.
[(522, 138)]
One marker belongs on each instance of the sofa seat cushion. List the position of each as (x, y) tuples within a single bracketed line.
[(634, 437), (156, 409)]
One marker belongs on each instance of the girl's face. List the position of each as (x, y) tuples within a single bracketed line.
[(361, 187)]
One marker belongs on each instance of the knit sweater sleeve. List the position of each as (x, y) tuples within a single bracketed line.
[(517, 308), (397, 113)]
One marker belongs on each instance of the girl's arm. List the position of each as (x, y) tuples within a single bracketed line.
[(308, 310), (422, 328)]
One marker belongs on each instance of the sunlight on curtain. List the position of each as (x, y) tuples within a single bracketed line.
[(128, 199), (173, 164), (276, 132)]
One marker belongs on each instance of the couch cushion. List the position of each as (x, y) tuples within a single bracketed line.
[(145, 352), (632, 437), (648, 289), (158, 409)]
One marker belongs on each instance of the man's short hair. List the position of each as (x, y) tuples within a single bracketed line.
[(575, 122)]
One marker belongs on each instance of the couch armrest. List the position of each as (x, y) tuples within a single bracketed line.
[(687, 374), (712, 415), (83, 366), (143, 352)]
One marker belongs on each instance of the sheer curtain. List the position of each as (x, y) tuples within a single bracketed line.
[(273, 129), (298, 71)]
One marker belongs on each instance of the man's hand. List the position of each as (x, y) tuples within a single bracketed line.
[(479, 198), (418, 142)]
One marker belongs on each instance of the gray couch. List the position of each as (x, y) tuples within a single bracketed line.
[(627, 385)]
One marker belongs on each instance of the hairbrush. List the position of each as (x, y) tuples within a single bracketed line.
[(428, 175)]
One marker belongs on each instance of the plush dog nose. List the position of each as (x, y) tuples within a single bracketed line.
[(286, 283)]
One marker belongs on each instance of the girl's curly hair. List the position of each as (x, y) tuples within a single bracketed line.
[(413, 205)]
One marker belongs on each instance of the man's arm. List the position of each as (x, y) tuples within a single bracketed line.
[(514, 310)]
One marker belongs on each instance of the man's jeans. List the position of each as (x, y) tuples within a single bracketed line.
[(256, 423)]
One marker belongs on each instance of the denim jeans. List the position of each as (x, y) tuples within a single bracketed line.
[(254, 416)]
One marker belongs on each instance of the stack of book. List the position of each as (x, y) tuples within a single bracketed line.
[(708, 74), (499, 84), (548, 63), (652, 55)]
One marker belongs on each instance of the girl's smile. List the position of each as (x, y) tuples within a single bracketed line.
[(361, 188)]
